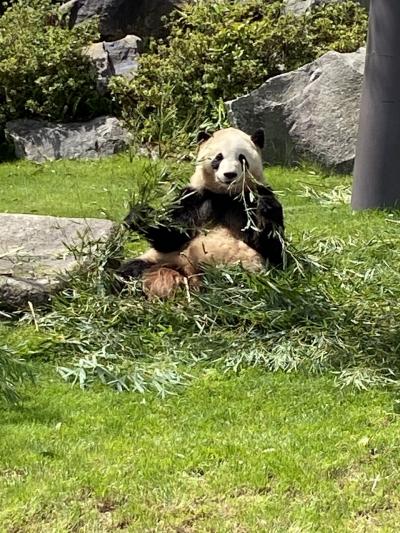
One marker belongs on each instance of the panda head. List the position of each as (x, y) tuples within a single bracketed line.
[(228, 160)]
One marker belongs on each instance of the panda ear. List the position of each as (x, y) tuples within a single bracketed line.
[(258, 138), (203, 136)]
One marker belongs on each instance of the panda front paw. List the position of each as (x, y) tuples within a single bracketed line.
[(138, 217)]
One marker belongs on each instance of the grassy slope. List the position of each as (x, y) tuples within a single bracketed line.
[(229, 453)]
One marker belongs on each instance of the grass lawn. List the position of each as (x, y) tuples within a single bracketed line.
[(245, 451), (257, 451)]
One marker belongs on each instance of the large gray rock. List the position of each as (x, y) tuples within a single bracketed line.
[(123, 55), (311, 113), (40, 141), (36, 254), (301, 6), (121, 17), (116, 58)]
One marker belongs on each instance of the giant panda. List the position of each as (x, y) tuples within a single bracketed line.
[(226, 215)]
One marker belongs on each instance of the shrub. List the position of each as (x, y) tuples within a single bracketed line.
[(42, 70), (217, 51)]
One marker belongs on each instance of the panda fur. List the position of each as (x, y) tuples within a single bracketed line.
[(227, 215)]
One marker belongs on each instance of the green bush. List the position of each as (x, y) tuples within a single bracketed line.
[(42, 70), (217, 51)]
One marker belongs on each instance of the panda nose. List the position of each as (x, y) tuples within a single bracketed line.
[(230, 175)]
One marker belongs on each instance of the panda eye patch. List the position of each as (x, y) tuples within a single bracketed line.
[(243, 161), (216, 161)]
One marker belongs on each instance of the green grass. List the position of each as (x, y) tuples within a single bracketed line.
[(99, 188), (228, 451)]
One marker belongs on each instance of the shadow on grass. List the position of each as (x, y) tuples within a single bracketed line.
[(39, 413)]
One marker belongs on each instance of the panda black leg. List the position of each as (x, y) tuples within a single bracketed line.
[(133, 268), (275, 253)]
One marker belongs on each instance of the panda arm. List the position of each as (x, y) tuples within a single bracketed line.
[(268, 207), (268, 214), (188, 213)]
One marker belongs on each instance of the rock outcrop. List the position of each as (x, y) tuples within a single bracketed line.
[(311, 113), (122, 17), (36, 254), (41, 141), (115, 58)]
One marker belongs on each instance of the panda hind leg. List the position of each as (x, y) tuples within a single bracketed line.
[(134, 268), (163, 281), (161, 274), (128, 270), (157, 281)]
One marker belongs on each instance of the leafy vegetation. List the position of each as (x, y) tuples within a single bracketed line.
[(217, 51), (313, 316), (43, 72)]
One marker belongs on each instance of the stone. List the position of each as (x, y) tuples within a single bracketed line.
[(301, 6), (116, 58), (41, 141), (123, 55), (311, 113), (36, 254), (118, 18), (98, 58)]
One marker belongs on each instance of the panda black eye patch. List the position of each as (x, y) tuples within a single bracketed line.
[(243, 161), (216, 161)]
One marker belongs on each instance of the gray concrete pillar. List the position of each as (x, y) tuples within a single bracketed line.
[(377, 165)]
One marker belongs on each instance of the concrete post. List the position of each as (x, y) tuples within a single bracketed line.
[(377, 166)]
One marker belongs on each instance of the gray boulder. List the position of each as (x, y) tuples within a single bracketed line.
[(301, 6), (123, 55), (121, 17), (311, 113), (36, 254), (116, 58), (40, 141)]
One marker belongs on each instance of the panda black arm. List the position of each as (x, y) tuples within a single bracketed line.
[(268, 214), (189, 212), (269, 207)]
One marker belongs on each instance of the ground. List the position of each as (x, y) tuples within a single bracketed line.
[(244, 451), (258, 451)]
